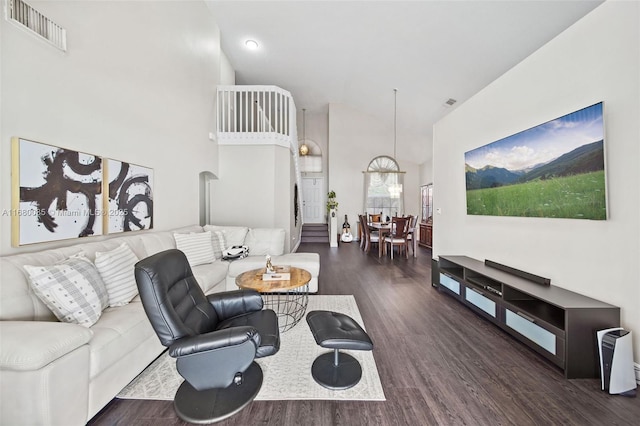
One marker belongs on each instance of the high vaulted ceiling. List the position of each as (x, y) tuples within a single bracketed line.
[(357, 52)]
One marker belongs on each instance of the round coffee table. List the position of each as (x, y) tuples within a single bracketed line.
[(288, 298)]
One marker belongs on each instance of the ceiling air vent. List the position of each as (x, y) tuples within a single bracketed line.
[(35, 22), (450, 102)]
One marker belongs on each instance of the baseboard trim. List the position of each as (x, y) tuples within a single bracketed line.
[(636, 369)]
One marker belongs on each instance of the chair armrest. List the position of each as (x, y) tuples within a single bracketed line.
[(214, 340), (212, 360), (233, 303)]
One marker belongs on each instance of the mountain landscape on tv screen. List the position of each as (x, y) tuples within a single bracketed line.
[(584, 159)]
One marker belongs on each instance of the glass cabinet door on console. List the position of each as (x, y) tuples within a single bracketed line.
[(556, 323), (426, 200), (426, 220)]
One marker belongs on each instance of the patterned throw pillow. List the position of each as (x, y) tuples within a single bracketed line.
[(116, 268), (197, 246), (71, 289), (219, 243)]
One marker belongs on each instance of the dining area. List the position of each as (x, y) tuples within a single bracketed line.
[(398, 233)]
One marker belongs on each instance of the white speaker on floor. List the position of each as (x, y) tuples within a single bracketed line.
[(616, 361)]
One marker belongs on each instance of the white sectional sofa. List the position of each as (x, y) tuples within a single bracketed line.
[(56, 373)]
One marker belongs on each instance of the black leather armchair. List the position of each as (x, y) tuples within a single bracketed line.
[(214, 338)]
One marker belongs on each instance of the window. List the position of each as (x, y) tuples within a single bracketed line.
[(384, 184)]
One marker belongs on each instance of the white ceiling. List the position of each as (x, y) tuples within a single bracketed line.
[(357, 52)]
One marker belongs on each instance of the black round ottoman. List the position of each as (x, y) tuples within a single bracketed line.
[(335, 370)]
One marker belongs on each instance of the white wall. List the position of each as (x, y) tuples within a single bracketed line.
[(254, 187), (354, 140), (136, 84), (227, 73), (597, 59), (426, 172)]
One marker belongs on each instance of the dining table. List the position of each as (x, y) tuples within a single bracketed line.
[(384, 228)]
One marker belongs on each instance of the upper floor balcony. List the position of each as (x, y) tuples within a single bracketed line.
[(249, 115)]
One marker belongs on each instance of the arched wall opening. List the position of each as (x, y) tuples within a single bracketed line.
[(205, 179)]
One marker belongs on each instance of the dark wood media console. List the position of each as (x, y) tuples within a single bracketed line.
[(557, 323)]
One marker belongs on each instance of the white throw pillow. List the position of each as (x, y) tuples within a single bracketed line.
[(233, 235), (263, 241), (219, 243), (196, 246), (116, 268), (71, 289)]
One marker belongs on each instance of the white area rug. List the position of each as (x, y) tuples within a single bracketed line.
[(287, 374)]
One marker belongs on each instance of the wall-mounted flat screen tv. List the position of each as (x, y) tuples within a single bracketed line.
[(554, 170)]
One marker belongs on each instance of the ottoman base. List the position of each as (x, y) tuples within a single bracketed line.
[(336, 371)]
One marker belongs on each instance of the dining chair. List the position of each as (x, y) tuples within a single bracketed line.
[(398, 235), (411, 233), (375, 217), (371, 237), (361, 233)]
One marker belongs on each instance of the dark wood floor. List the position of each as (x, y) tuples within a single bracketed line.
[(440, 364)]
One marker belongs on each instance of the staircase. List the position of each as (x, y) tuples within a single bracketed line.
[(315, 233)]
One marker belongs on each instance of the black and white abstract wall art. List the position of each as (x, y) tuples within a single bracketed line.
[(130, 197), (56, 193)]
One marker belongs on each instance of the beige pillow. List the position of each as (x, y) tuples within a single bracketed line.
[(219, 243), (196, 246), (233, 235), (263, 241), (116, 268), (72, 289)]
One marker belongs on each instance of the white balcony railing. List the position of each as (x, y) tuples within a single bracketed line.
[(255, 112)]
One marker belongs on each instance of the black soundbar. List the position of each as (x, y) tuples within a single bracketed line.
[(522, 274)]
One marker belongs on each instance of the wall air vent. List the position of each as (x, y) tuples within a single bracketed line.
[(25, 16)]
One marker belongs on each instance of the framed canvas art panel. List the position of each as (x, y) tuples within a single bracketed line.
[(553, 170), (56, 193), (129, 204)]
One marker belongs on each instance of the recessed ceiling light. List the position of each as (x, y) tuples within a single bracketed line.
[(251, 44)]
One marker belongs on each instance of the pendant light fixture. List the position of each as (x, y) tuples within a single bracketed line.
[(395, 189), (395, 121), (304, 149)]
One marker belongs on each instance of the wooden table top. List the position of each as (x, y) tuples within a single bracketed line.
[(380, 225), (252, 280)]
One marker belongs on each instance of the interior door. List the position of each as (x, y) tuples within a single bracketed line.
[(313, 200)]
